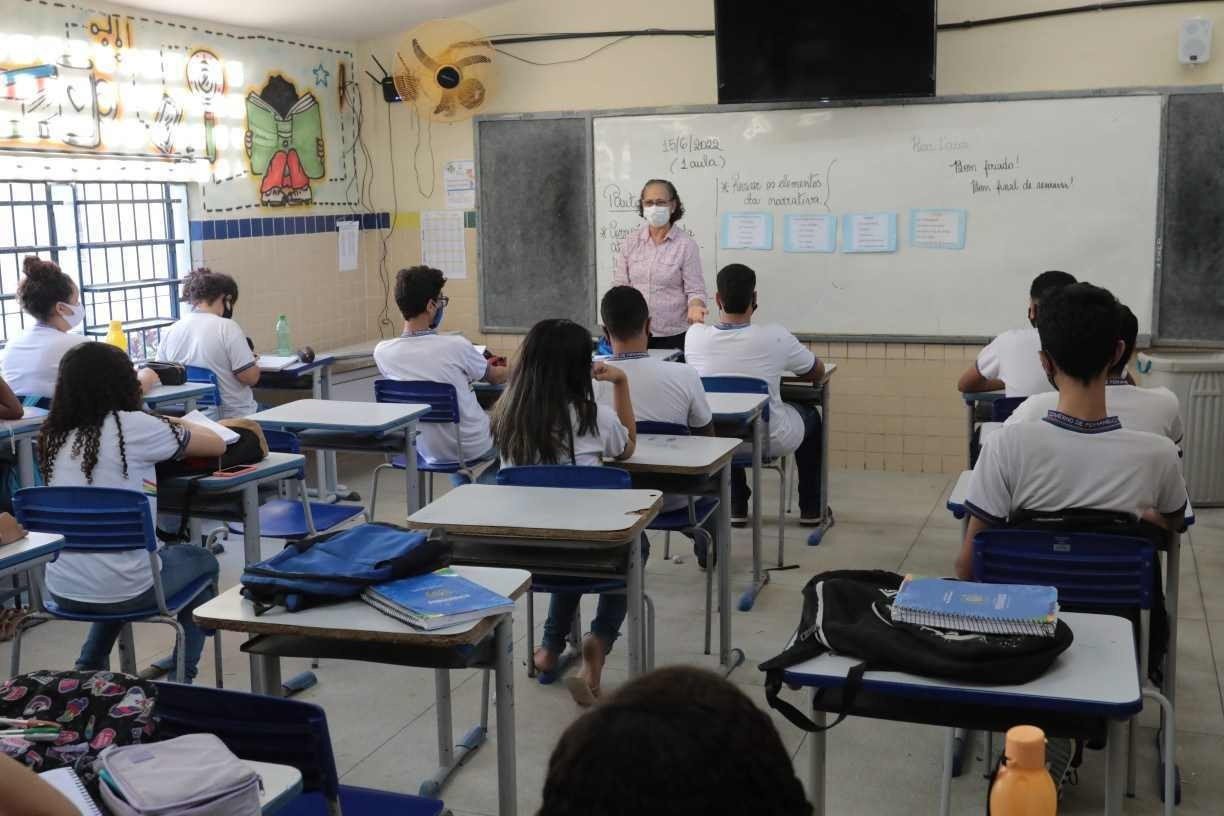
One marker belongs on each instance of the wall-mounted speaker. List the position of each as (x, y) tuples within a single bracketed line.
[(1194, 41)]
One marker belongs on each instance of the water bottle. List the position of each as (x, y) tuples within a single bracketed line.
[(116, 337), (1022, 786), (284, 344)]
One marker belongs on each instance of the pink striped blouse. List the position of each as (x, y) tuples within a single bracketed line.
[(667, 274)]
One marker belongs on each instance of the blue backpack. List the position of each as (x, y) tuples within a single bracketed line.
[(337, 566)]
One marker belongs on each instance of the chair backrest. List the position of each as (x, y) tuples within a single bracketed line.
[(1003, 407), (33, 401), (442, 399), (734, 384), (1088, 569), (603, 347), (254, 727), (589, 476), (647, 426), (93, 519), (199, 374), (282, 441)]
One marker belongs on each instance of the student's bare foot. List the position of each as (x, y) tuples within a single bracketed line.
[(584, 686), (544, 660)]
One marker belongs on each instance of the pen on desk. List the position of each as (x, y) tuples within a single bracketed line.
[(21, 723), (33, 734)]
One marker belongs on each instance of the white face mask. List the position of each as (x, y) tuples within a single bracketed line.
[(75, 314), (657, 216)]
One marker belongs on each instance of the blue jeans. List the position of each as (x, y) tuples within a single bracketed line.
[(609, 612), (181, 565)]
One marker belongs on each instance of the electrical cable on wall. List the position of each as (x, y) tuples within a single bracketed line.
[(355, 99), (416, 154)]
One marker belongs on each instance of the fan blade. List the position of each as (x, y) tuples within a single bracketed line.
[(471, 93), (474, 59), (426, 60), (446, 105)]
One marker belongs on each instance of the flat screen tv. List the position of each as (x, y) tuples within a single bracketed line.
[(807, 50)]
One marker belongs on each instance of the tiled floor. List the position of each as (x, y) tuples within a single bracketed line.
[(382, 719)]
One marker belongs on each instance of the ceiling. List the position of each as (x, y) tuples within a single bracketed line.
[(352, 20)]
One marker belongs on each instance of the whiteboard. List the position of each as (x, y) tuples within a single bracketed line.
[(1068, 183)]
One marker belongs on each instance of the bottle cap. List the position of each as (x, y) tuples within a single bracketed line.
[(1025, 747)]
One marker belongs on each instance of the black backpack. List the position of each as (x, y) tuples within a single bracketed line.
[(849, 612)]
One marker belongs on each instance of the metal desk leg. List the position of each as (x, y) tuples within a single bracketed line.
[(759, 578), (729, 658), (329, 474), (816, 763), (265, 675), (1115, 767), (972, 411), (507, 785), (451, 756), (633, 590), (945, 779), (412, 479), (826, 515), (189, 404), (1172, 600), (25, 461)]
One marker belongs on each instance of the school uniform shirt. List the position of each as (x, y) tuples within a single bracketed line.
[(766, 351), (217, 343), (1155, 410), (442, 358), (1012, 357), (608, 441), (1061, 462), (31, 362), (114, 576)]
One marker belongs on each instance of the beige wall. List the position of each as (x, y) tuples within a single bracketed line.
[(894, 406)]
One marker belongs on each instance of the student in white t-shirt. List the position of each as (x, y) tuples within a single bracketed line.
[(1155, 410), (96, 434), (31, 361), (1078, 456), (662, 391), (548, 416), (208, 337), (735, 345), (421, 354), (1010, 363)]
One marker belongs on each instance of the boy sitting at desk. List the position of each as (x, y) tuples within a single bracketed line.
[(766, 351), (1078, 455), (1155, 410), (421, 354), (662, 391), (1009, 363)]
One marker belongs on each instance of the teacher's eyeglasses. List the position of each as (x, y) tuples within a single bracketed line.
[(656, 202)]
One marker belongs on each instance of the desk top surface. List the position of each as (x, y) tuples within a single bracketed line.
[(1096, 675), (682, 455), (34, 545), (340, 415), (320, 361), (280, 784), (733, 406), (971, 397), (175, 393), (555, 513), (357, 620), (275, 465), (30, 423)]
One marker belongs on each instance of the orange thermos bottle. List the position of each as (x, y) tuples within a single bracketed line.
[(1023, 786)]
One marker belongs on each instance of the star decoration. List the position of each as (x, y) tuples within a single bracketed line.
[(321, 75)]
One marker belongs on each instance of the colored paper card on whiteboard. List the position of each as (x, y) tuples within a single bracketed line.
[(809, 233), (869, 232), (746, 231), (937, 229)]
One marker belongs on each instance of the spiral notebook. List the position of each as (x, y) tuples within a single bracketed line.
[(967, 606), (66, 781)]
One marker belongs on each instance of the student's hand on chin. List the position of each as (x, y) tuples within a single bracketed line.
[(606, 373)]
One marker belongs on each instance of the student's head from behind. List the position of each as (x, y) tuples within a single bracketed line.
[(736, 289), (211, 291), (1080, 328), (418, 290), (679, 741), (659, 203), (95, 380), (625, 315), (1044, 285), (48, 295), (1129, 328), (531, 423)]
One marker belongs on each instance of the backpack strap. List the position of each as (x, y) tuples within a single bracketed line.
[(773, 686)]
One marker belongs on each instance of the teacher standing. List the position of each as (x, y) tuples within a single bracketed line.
[(664, 264)]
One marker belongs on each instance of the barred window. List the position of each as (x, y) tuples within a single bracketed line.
[(125, 244)]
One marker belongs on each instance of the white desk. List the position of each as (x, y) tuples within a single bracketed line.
[(971, 400), (187, 393), (20, 433), (28, 556), (354, 425), (793, 391), (281, 784), (685, 465), (319, 371), (367, 634), (515, 526), (666, 355), (1094, 678)]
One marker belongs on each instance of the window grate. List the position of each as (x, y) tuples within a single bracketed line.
[(125, 243)]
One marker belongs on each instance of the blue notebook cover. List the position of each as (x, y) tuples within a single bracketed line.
[(441, 595), (1002, 608)]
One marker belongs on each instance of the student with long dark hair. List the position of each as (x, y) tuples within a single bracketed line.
[(549, 416), (97, 434)]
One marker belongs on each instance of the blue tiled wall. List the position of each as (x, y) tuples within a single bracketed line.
[(232, 228)]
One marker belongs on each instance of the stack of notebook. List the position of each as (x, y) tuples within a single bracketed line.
[(967, 606), (436, 601)]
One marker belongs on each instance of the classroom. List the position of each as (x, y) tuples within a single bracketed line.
[(494, 407)]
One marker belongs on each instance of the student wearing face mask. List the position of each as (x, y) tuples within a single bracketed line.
[(31, 361), (208, 337), (663, 263)]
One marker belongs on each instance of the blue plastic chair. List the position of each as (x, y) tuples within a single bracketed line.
[(687, 520), (293, 520), (211, 399), (1091, 571), (583, 476), (101, 520), (287, 732), (1003, 407), (443, 402)]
